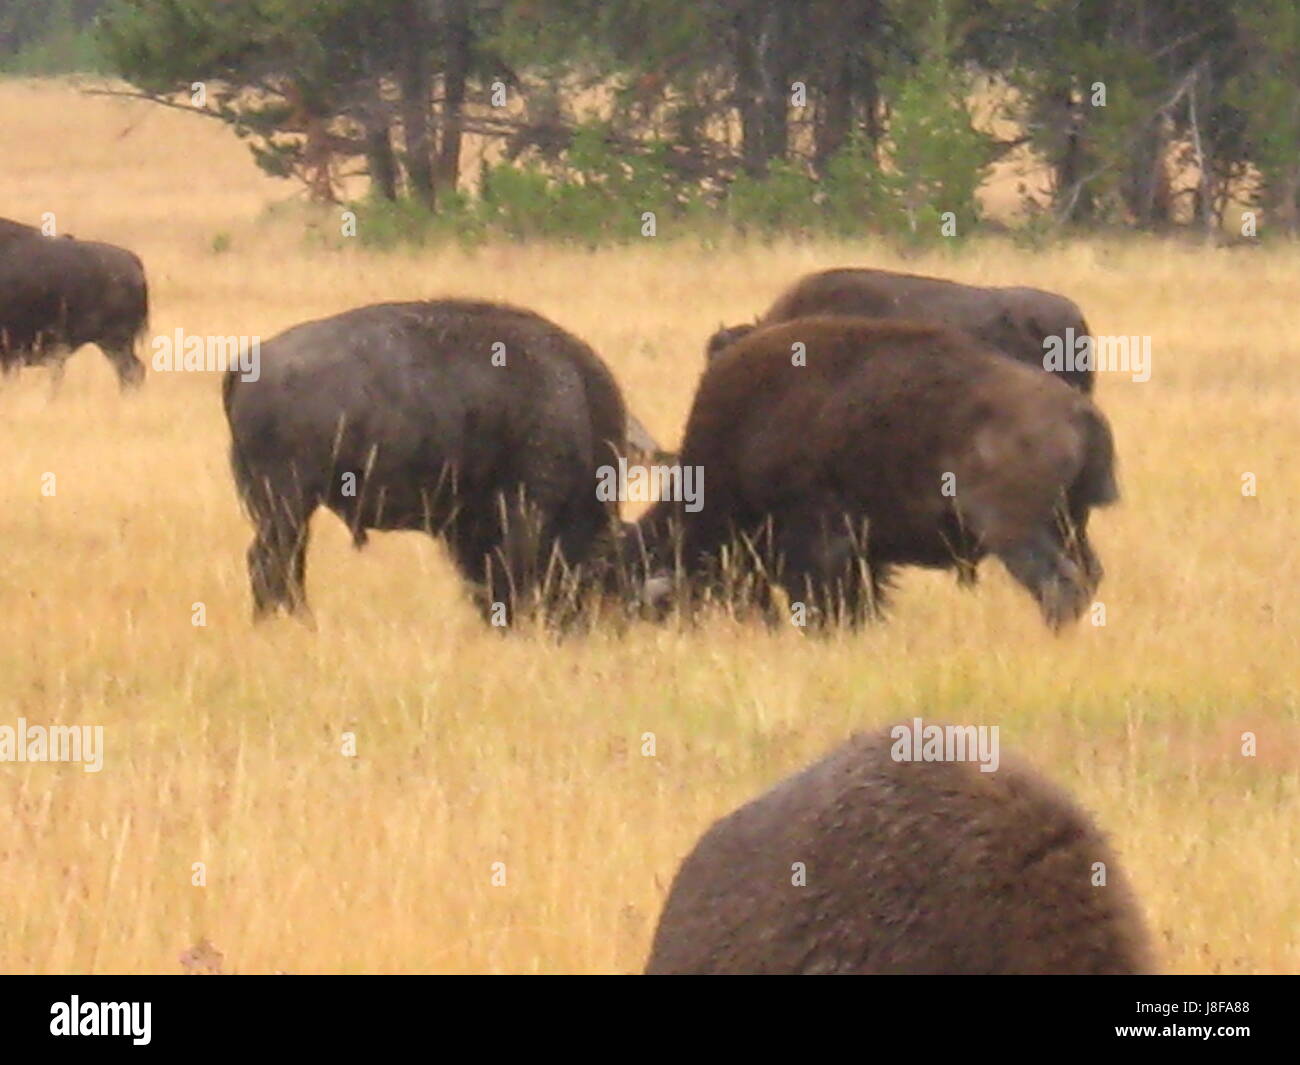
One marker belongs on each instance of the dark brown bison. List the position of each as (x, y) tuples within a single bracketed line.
[(479, 423), (834, 449), (1016, 321), (867, 864), (58, 293)]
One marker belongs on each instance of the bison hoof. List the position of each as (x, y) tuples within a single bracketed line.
[(1063, 601)]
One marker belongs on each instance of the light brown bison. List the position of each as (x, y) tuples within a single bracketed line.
[(483, 424), (867, 864), (1017, 321), (58, 293), (834, 449)]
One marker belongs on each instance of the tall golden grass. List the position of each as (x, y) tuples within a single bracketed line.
[(224, 741)]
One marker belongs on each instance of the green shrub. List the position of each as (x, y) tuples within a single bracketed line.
[(784, 200)]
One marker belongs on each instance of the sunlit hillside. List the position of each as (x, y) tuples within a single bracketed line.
[(224, 741)]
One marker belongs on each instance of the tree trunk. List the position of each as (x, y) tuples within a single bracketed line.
[(1146, 192), (760, 53), (1073, 163), (847, 34), (775, 72), (748, 92), (868, 94), (834, 115), (381, 163), (458, 35), (416, 85)]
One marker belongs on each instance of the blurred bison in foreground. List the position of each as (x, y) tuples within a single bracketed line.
[(1016, 321), (58, 293), (866, 864), (834, 449), (475, 422)]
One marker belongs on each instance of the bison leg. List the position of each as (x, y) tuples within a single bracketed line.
[(1062, 585), (849, 591), (130, 370), (500, 554), (826, 560), (1081, 550), (277, 561), (540, 545)]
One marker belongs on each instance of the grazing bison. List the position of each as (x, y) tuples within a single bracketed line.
[(1016, 321), (58, 293), (834, 449), (479, 423), (870, 865)]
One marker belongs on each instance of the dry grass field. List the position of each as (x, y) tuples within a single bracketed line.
[(223, 741)]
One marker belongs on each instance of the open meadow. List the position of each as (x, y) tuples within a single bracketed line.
[(224, 742)]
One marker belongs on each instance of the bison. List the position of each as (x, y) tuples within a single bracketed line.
[(483, 424), (867, 864), (1016, 321), (58, 293), (833, 450)]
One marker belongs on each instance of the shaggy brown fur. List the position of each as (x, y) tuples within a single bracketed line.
[(1015, 320), (59, 293), (896, 444), (909, 867), (395, 416)]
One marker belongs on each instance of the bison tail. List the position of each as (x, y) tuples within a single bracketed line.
[(228, 381), (140, 310), (143, 328), (243, 479), (243, 473), (1096, 482)]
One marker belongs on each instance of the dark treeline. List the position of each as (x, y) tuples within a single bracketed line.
[(833, 114), (48, 36)]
